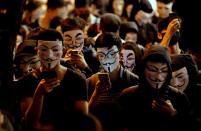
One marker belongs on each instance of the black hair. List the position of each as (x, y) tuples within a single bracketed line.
[(53, 4), (82, 3), (165, 1), (32, 5), (55, 22), (49, 35), (72, 24), (138, 5), (126, 27), (110, 22), (108, 39)]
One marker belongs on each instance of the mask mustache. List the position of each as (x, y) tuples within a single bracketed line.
[(109, 63), (157, 81), (131, 66), (76, 46), (48, 60)]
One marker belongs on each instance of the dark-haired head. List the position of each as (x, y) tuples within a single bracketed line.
[(108, 39), (49, 35), (73, 24)]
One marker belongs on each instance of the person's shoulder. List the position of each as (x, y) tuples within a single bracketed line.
[(130, 90), (92, 79), (30, 76), (130, 76), (175, 91), (70, 73)]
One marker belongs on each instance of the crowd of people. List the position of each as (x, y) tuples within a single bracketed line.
[(103, 65)]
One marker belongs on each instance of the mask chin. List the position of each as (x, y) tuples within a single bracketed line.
[(110, 68), (49, 66), (107, 69)]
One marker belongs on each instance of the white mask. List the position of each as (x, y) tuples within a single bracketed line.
[(108, 58), (74, 39), (50, 53), (180, 79), (127, 59)]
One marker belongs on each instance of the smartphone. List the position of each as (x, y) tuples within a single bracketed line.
[(173, 16), (74, 52), (48, 74), (103, 77)]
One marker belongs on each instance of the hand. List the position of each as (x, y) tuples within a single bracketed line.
[(46, 86), (102, 87), (77, 59), (173, 26), (164, 106)]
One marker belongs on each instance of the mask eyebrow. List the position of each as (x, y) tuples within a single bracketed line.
[(152, 66), (78, 35), (43, 46), (130, 54), (179, 74), (54, 46), (48, 47), (67, 36)]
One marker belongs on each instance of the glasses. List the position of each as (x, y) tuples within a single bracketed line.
[(109, 55)]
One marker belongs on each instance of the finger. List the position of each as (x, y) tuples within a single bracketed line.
[(52, 83), (49, 88), (49, 80)]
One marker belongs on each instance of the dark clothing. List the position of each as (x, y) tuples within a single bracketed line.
[(193, 89), (107, 108), (86, 72), (137, 102), (61, 99), (138, 112), (147, 34)]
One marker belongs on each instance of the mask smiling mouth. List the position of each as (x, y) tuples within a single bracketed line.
[(157, 82), (49, 60), (108, 63)]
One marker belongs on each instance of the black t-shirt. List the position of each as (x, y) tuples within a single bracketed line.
[(61, 99)]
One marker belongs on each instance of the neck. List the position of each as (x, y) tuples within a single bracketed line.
[(115, 73), (43, 68)]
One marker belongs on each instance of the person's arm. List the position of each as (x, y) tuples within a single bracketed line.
[(100, 88), (82, 106), (173, 26), (33, 113)]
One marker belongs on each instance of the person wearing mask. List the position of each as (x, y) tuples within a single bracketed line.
[(52, 90), (153, 103), (105, 86)]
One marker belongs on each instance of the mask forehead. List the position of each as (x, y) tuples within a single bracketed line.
[(180, 79), (127, 53), (73, 33), (49, 44), (183, 70)]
